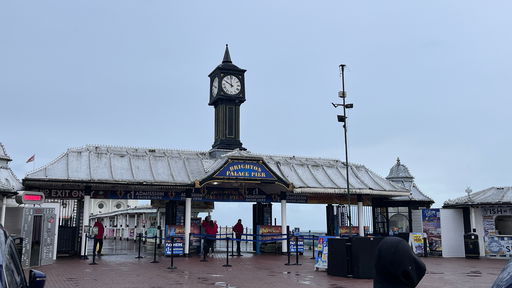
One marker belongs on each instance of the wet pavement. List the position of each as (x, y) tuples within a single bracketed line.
[(118, 267)]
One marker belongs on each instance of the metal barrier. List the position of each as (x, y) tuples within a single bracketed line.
[(93, 250), (139, 236), (172, 267)]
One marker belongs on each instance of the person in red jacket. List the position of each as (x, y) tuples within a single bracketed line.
[(239, 230), (98, 238), (210, 229)]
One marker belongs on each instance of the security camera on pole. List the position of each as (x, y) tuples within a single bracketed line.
[(343, 119)]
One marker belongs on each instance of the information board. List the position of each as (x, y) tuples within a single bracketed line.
[(177, 248), (300, 246)]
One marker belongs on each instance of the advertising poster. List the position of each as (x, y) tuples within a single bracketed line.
[(177, 248), (500, 246), (267, 233), (293, 246), (173, 230), (321, 252), (416, 242), (195, 228), (432, 227), (345, 230), (273, 232)]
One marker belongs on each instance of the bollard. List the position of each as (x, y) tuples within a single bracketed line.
[(172, 254), (140, 242), (154, 253), (313, 257), (93, 255), (227, 253)]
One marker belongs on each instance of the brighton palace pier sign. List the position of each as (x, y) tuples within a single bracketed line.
[(245, 170)]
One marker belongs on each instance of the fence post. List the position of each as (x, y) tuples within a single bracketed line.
[(288, 244), (227, 253), (172, 254), (93, 253), (232, 244), (313, 257), (159, 237), (154, 252), (139, 235), (297, 250)]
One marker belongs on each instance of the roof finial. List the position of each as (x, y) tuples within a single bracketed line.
[(227, 57), (398, 160)]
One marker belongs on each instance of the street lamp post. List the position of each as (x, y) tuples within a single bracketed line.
[(343, 119)]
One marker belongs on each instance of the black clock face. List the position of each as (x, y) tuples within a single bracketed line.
[(231, 85)]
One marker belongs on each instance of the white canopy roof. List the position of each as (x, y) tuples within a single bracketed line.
[(177, 167), (9, 183), (489, 196)]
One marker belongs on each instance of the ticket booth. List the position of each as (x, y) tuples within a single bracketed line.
[(36, 225)]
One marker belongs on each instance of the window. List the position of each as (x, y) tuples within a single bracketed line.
[(398, 223), (503, 224), (101, 205), (119, 205)]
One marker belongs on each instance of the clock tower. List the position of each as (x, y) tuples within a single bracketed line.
[(227, 93)]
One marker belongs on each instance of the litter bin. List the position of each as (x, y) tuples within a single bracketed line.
[(471, 247)]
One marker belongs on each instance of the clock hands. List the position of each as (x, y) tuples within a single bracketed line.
[(226, 81)]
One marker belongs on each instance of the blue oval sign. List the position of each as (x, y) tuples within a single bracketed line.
[(245, 170)]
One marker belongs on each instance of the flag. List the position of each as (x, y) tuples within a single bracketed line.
[(32, 158)]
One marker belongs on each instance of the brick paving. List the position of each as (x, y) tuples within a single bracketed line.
[(119, 268)]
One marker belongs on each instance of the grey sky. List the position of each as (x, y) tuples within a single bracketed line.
[(430, 81)]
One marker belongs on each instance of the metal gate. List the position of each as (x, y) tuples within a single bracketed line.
[(70, 221)]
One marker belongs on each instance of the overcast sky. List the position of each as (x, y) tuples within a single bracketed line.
[(430, 81)]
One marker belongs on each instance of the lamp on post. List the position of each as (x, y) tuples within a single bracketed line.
[(343, 119)]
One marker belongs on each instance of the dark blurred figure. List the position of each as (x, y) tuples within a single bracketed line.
[(396, 266), (504, 280)]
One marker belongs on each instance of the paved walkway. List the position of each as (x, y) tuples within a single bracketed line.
[(119, 268)]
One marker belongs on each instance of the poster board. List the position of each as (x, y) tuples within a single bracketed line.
[(294, 246), (416, 242), (321, 252), (345, 230), (432, 227), (268, 233), (178, 246)]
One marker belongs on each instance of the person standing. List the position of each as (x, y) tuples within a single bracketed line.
[(238, 229), (98, 238), (210, 229)]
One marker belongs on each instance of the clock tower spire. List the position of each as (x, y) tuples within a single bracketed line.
[(227, 93)]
